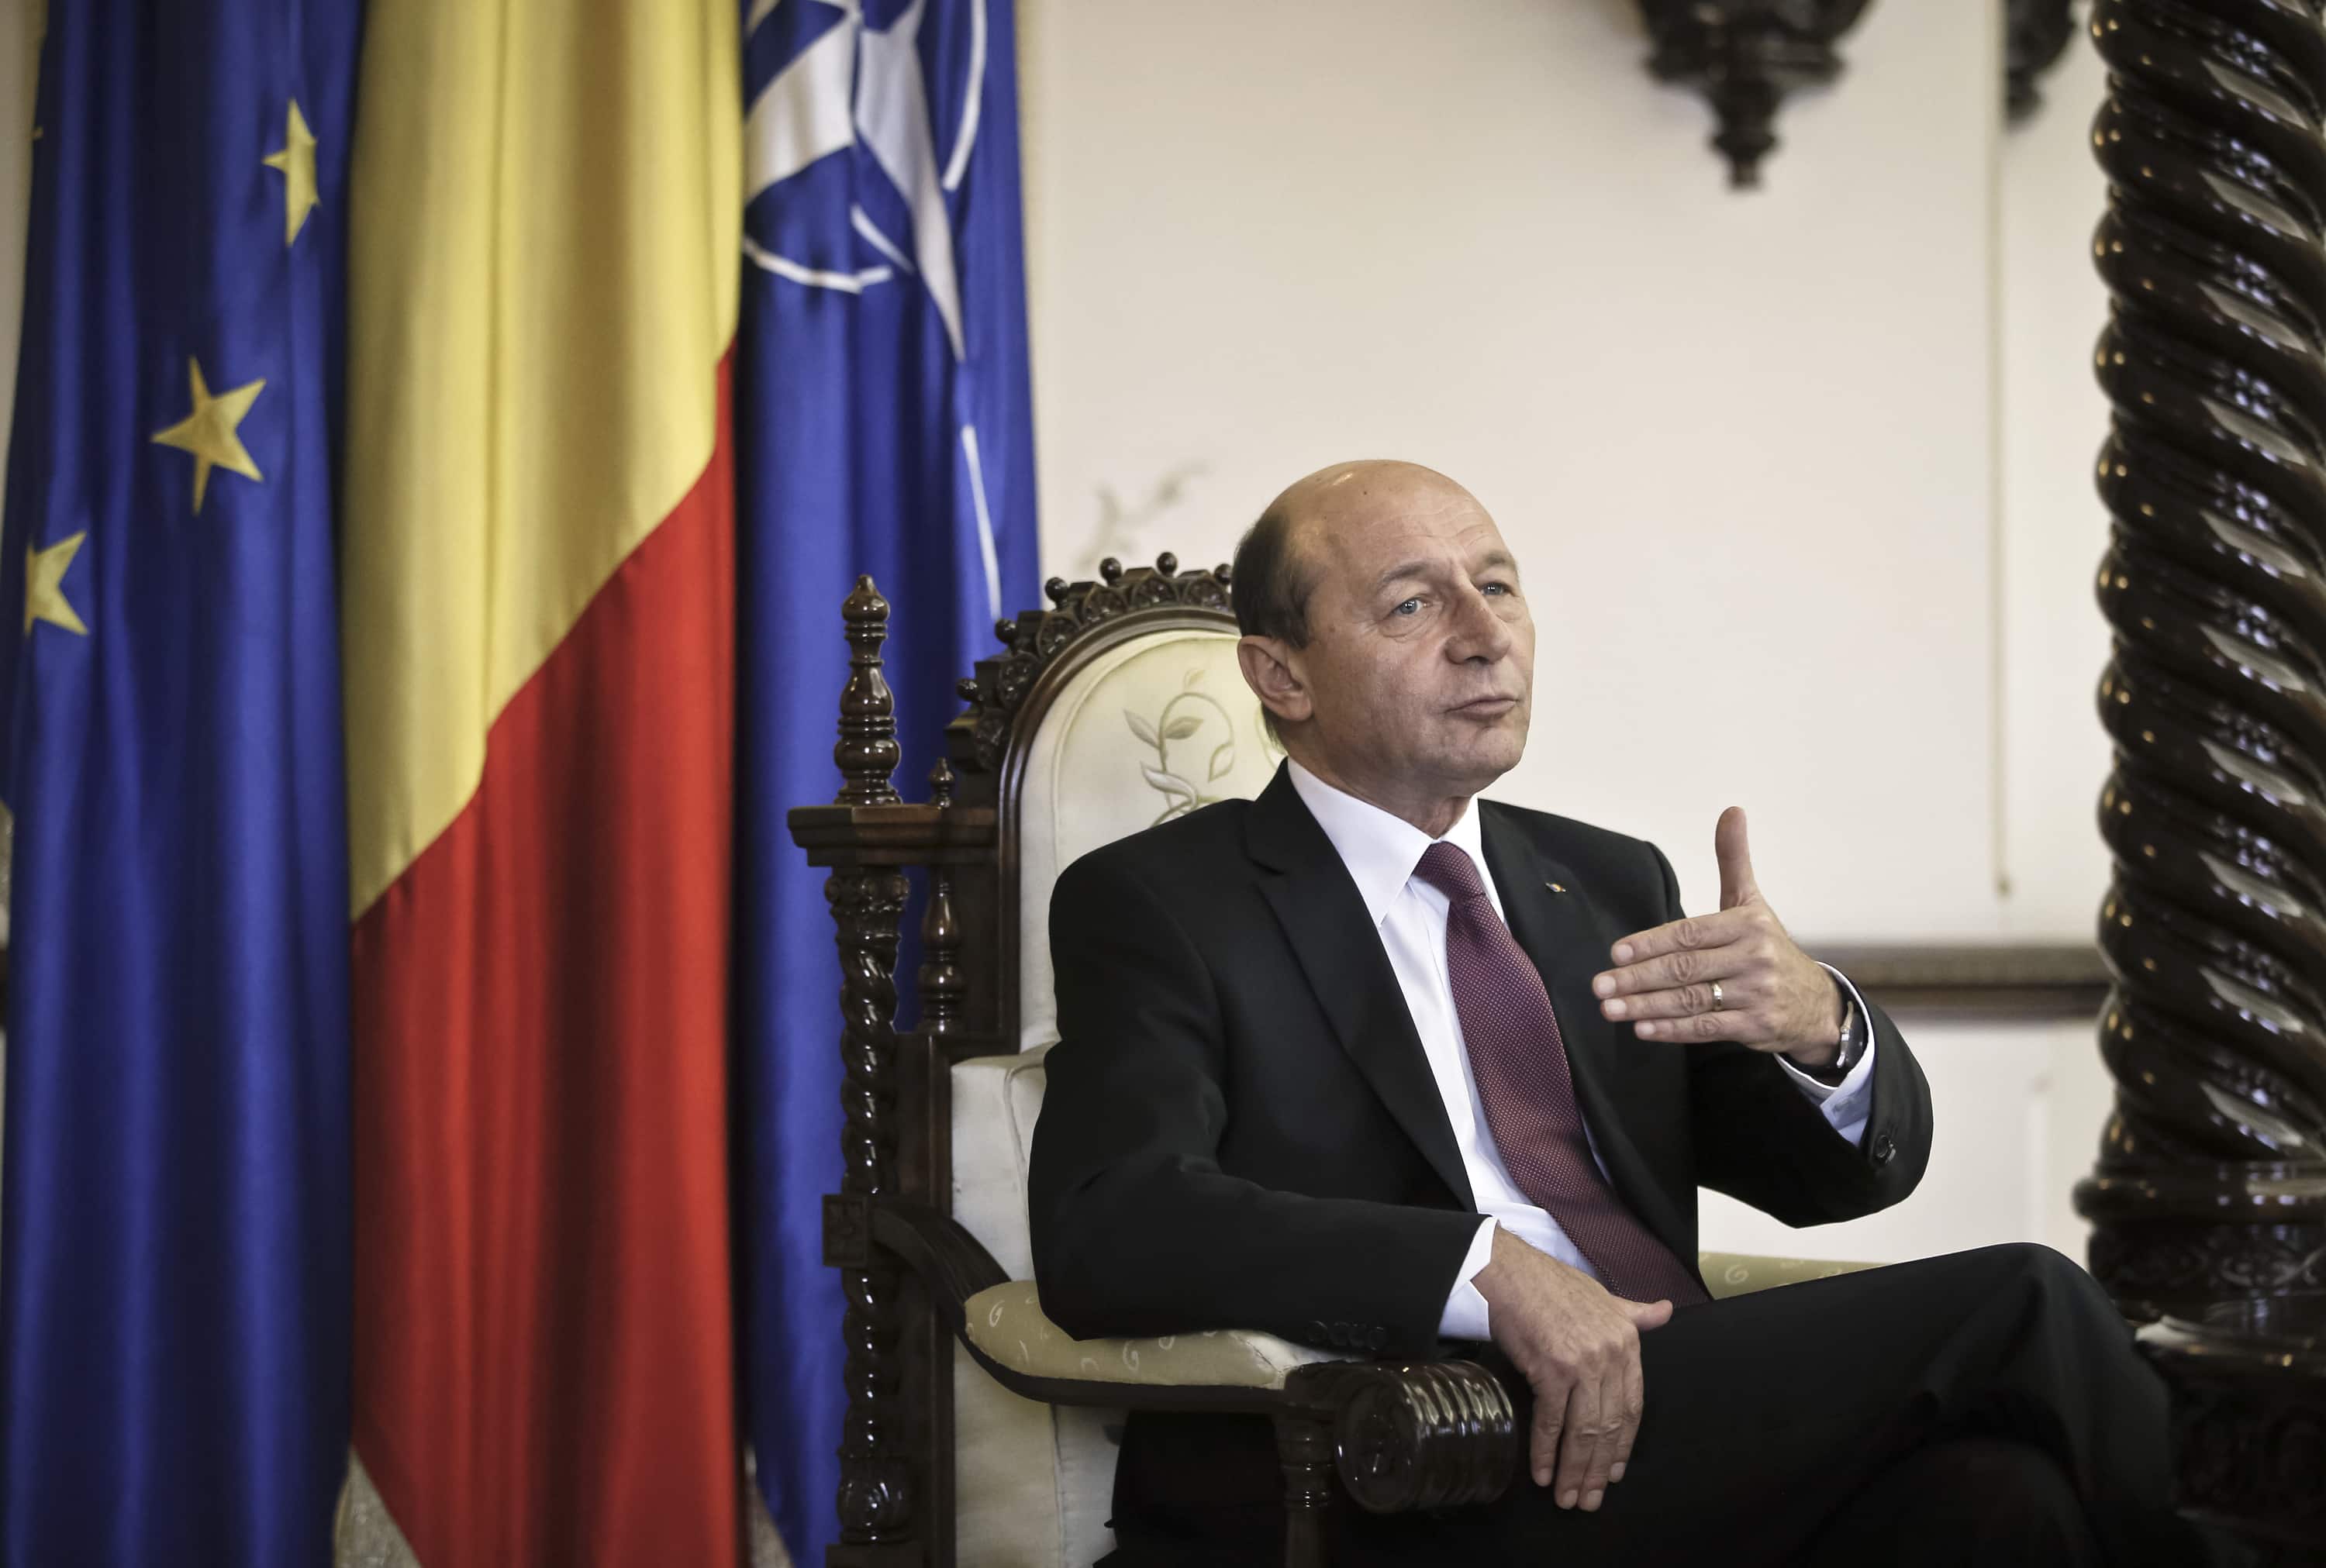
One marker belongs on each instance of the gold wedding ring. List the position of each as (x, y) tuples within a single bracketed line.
[(1717, 1003)]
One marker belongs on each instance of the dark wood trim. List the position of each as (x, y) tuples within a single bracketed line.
[(1989, 980)]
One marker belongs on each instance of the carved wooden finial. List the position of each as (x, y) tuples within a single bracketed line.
[(1057, 588), (867, 751), (941, 783), (1110, 569), (1167, 564), (943, 983)]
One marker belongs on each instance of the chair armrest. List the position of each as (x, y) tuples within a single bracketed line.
[(1001, 1321), (1729, 1274), (1425, 1434), (1005, 1324)]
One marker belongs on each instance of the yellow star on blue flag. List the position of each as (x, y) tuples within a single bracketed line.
[(44, 585), (208, 433), (297, 162)]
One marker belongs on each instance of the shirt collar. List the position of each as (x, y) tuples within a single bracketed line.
[(1381, 850)]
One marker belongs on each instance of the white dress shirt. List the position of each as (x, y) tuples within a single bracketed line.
[(1381, 851)]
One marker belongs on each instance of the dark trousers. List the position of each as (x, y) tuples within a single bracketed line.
[(1984, 1407)]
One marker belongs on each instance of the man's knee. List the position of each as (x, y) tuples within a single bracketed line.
[(1988, 1500), (2047, 1273), (2015, 1498)]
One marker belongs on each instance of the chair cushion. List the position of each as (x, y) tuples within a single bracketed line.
[(1035, 1483), (1145, 732), (1008, 1323)]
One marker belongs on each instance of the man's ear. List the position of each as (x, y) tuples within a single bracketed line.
[(1272, 669)]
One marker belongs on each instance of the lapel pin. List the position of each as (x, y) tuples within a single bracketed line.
[(1554, 887)]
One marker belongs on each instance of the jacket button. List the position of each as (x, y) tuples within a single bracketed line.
[(1882, 1148), (1377, 1338), (1320, 1334)]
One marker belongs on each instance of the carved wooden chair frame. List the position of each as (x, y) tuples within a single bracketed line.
[(1397, 1436)]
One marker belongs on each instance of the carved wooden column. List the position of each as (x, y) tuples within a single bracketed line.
[(2212, 1181), (877, 1495)]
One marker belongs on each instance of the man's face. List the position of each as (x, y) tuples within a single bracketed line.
[(1419, 669)]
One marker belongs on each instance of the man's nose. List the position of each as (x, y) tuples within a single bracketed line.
[(1478, 632)]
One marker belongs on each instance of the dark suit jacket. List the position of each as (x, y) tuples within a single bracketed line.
[(1240, 1129)]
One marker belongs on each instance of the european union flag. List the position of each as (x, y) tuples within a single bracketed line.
[(885, 426), (173, 1228)]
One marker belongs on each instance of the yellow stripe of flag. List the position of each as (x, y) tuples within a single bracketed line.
[(544, 222)]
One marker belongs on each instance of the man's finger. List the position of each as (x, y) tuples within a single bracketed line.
[(1696, 966), (1745, 1027), (1602, 1452), (1580, 1447), (1635, 1404), (1736, 857), (1697, 931), (1677, 1002), (1549, 1421), (1644, 1314)]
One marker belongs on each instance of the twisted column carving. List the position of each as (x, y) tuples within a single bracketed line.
[(876, 1500), (876, 1494), (2211, 1180)]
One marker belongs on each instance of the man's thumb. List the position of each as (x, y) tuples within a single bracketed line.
[(1646, 1314), (1736, 857)]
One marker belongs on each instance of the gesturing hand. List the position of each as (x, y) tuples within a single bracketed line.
[(1771, 995), (1579, 1348)]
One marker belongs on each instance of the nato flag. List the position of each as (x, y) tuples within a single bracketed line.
[(885, 428), (173, 1226)]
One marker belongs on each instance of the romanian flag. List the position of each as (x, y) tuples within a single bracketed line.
[(536, 585)]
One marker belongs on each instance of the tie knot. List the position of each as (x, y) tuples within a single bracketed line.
[(1451, 871)]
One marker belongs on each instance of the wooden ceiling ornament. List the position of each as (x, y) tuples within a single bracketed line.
[(1745, 57), (2035, 33)]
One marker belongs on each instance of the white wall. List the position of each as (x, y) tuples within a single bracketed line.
[(1799, 477)]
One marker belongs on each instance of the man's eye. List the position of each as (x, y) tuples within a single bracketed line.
[(1495, 588), (1410, 606)]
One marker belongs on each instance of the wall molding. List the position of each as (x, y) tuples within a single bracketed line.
[(1986, 981)]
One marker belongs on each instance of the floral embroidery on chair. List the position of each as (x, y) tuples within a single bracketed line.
[(1190, 714)]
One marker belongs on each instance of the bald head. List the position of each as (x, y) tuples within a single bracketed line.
[(1385, 635), (1274, 569)]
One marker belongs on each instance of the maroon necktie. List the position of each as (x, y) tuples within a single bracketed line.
[(1520, 1066)]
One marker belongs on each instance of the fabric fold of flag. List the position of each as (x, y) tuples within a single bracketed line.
[(538, 598), (173, 1221), (885, 426)]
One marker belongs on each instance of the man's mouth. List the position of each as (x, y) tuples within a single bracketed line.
[(1487, 707)]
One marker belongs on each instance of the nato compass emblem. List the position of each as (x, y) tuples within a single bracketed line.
[(863, 122), (851, 81)]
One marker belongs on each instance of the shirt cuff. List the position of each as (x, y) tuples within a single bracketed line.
[(1848, 1104), (1465, 1317)]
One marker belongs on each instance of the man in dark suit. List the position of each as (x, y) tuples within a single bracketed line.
[(1371, 1065)]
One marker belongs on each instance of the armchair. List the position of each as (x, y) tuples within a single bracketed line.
[(978, 1432)]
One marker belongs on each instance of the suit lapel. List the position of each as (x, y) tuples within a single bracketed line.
[(1331, 934), (1568, 939)]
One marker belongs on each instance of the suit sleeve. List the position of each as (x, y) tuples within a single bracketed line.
[(1136, 1228), (1758, 1139)]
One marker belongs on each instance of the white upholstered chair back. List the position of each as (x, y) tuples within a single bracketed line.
[(1149, 728)]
